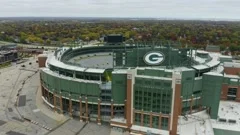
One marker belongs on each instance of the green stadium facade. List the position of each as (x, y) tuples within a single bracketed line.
[(143, 89)]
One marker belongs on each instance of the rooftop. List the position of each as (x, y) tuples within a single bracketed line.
[(202, 51), (212, 48), (195, 124), (150, 130), (120, 71), (53, 61), (231, 76), (231, 64), (154, 77), (213, 73), (200, 67), (225, 56), (68, 78), (228, 111)]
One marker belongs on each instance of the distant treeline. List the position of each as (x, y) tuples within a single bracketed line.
[(195, 33)]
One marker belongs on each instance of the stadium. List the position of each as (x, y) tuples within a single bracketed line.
[(158, 88)]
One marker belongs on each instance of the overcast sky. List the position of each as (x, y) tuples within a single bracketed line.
[(196, 9)]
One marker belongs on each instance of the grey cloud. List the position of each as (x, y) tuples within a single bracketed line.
[(123, 8)]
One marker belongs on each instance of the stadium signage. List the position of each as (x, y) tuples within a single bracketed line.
[(153, 58)]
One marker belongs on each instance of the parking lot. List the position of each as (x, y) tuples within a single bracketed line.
[(13, 82), (22, 111)]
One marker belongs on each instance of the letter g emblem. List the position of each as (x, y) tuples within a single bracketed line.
[(153, 58)]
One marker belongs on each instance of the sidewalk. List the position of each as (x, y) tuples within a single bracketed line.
[(44, 109)]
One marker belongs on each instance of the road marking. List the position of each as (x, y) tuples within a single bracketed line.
[(36, 110)]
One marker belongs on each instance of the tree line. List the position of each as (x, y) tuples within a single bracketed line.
[(195, 33)]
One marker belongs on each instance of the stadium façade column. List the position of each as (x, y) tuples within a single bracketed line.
[(42, 58), (238, 94), (61, 104), (99, 112), (112, 109), (224, 92), (54, 101), (176, 103), (70, 105), (129, 101), (80, 108), (86, 113)]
